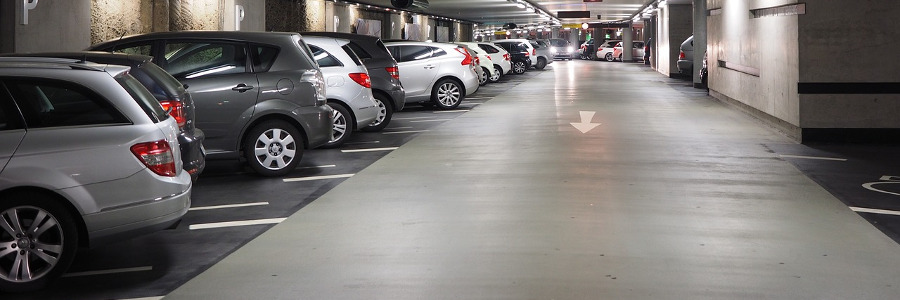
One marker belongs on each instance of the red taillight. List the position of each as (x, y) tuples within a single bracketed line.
[(533, 52), (468, 59), (157, 156), (489, 58), (176, 110), (394, 71), (681, 55), (477, 61), (506, 56), (363, 79)]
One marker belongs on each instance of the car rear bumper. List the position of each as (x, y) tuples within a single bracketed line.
[(317, 124), (398, 95), (686, 66), (192, 154)]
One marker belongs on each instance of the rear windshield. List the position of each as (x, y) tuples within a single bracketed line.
[(162, 85), (143, 97), (360, 51), (352, 54)]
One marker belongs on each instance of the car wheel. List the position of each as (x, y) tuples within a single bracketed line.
[(541, 64), (519, 67), (385, 113), (609, 57), (38, 241), (342, 126), (447, 94), (497, 74), (485, 74), (273, 148), (620, 58)]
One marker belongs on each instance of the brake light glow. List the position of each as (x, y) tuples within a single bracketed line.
[(157, 156), (362, 79), (681, 55), (477, 61), (394, 71), (506, 56), (533, 52), (468, 60), (176, 110)]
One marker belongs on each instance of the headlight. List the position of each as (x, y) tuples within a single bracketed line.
[(570, 49), (553, 49)]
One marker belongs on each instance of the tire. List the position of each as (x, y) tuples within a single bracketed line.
[(499, 73), (273, 148), (519, 67), (541, 63), (609, 57), (620, 58), (485, 75), (385, 113), (342, 128), (447, 94), (49, 248)]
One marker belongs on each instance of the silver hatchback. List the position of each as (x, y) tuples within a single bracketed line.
[(87, 155)]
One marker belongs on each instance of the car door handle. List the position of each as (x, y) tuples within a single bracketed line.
[(429, 67), (242, 88)]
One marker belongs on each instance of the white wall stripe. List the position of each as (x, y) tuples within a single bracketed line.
[(229, 206), (235, 223), (311, 178), (875, 211), (409, 131), (369, 150), (110, 271), (813, 157)]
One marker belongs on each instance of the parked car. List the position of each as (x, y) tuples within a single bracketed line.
[(165, 88), (435, 73), (519, 53), (605, 50), (686, 57), (260, 96), (500, 58), (482, 62), (349, 89), (545, 54), (562, 49), (87, 156), (586, 50), (637, 51), (383, 71)]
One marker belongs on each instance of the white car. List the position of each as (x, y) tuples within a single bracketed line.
[(605, 50), (348, 86), (483, 61), (439, 73), (499, 57), (637, 51)]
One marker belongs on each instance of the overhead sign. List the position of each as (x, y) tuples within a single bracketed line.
[(573, 14), (593, 0), (572, 26)]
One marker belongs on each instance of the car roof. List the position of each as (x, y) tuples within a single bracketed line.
[(93, 56), (60, 63), (264, 37)]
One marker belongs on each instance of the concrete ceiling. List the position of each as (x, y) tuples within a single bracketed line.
[(498, 12)]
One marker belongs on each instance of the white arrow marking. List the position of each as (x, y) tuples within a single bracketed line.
[(586, 124)]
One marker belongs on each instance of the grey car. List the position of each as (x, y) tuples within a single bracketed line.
[(260, 95), (87, 156)]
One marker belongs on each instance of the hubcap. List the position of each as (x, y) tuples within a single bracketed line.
[(448, 94), (31, 243), (340, 126), (484, 77), (382, 113), (275, 149), (496, 75), (520, 67)]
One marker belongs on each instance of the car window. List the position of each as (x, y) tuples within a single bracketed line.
[(437, 52), (144, 98), (352, 54), (559, 43), (488, 48), (362, 53), (324, 58), (141, 49), (9, 114), (201, 59), (263, 57), (412, 53), (53, 103), (161, 78)]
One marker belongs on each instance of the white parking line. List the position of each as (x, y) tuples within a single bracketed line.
[(311, 178), (451, 111), (369, 150), (812, 157), (317, 167), (434, 120), (228, 206), (409, 131), (875, 211), (110, 271), (235, 223), (412, 118)]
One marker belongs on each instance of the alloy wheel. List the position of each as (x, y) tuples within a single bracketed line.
[(448, 94), (275, 149), (31, 243)]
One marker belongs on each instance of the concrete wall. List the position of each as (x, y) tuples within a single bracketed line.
[(674, 25), (254, 15), (112, 19), (293, 16), (54, 26), (761, 56), (849, 42)]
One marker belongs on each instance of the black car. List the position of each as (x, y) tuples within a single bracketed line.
[(518, 53), (383, 70), (165, 88)]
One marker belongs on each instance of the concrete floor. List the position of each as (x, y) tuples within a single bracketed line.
[(673, 196)]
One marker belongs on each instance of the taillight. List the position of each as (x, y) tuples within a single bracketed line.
[(363, 79), (157, 156), (468, 59), (506, 56), (533, 52), (477, 61), (681, 55), (394, 71), (489, 58), (176, 110)]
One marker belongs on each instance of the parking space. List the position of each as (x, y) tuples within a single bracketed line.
[(231, 205)]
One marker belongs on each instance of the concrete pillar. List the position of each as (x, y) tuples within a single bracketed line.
[(554, 33), (627, 43), (699, 39), (7, 26), (160, 15)]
